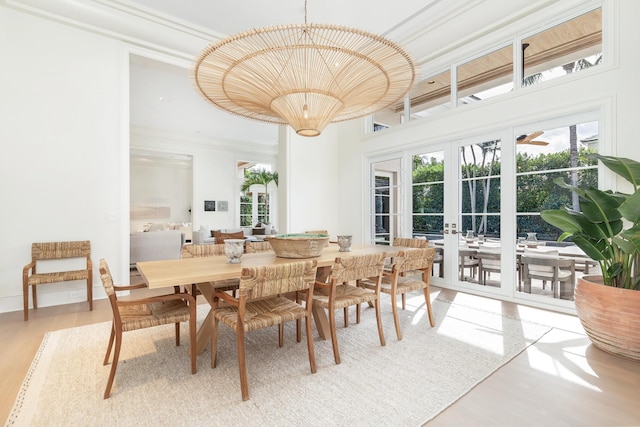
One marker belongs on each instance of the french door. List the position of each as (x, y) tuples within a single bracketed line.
[(456, 205)]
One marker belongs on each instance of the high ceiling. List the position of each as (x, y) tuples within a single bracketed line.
[(163, 97), (230, 17)]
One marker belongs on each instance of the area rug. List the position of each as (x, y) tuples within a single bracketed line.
[(404, 383)]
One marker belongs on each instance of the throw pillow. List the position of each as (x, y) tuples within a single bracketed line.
[(220, 237)]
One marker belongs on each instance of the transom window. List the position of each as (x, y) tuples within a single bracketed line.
[(571, 46)]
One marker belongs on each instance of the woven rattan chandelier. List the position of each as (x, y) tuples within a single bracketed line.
[(304, 75)]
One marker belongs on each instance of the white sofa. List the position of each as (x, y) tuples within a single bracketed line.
[(156, 245), (203, 235)]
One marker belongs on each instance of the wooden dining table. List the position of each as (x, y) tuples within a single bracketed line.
[(205, 272)]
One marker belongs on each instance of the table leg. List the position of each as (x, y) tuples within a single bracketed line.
[(322, 321), (319, 315), (203, 336)]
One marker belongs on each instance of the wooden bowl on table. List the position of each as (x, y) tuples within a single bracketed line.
[(302, 245)]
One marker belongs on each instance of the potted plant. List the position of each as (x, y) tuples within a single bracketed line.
[(607, 229)]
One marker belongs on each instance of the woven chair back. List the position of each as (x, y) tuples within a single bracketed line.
[(253, 247), (59, 250), (410, 243), (357, 267), (107, 280), (269, 280), (414, 259), (199, 251)]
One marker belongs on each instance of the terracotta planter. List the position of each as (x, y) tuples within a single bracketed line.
[(610, 316)]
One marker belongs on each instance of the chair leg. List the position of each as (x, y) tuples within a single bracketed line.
[(346, 316), (214, 340), (358, 313), (111, 337), (298, 324), (427, 300), (25, 300), (34, 296), (404, 301), (310, 350), (90, 291), (177, 334), (242, 365), (192, 338), (394, 309), (114, 364), (334, 335), (280, 334), (379, 319)]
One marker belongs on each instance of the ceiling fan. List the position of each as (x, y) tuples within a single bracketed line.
[(529, 139)]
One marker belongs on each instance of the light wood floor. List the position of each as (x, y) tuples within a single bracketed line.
[(561, 380)]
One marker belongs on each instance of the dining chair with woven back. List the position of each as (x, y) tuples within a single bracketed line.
[(410, 242), (260, 305), (341, 290), (414, 261), (199, 251), (257, 247), (139, 313), (407, 242)]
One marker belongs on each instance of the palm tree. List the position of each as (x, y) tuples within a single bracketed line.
[(569, 68), (260, 177)]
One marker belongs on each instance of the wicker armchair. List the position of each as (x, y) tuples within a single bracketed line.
[(259, 305), (56, 251), (142, 313), (397, 283), (337, 293)]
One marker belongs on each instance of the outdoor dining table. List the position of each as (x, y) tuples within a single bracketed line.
[(206, 271)]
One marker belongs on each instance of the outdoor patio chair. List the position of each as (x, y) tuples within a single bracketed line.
[(488, 262), (549, 268)]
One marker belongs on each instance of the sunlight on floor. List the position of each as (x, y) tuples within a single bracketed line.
[(571, 366)]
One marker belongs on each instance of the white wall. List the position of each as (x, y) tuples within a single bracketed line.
[(65, 165), (161, 184), (311, 182), (214, 171), (60, 166)]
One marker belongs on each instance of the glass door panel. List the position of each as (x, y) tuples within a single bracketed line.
[(428, 203), (479, 230), (386, 201), (541, 157)]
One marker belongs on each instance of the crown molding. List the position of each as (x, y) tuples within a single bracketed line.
[(122, 21)]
